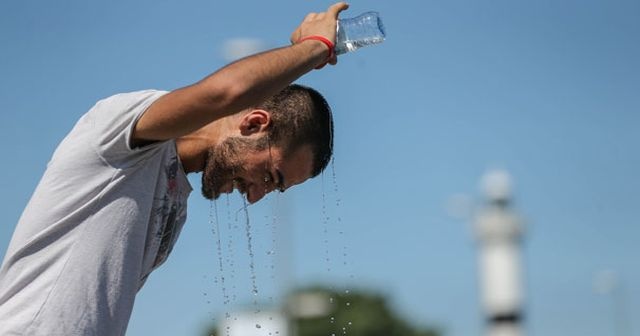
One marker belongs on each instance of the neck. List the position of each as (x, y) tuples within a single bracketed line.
[(193, 148), (191, 156)]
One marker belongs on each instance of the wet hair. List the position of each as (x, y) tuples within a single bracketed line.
[(301, 116)]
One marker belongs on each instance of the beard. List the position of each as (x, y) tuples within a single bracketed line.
[(223, 164)]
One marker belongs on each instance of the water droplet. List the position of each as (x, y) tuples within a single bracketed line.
[(348, 303), (258, 326), (349, 323), (252, 267)]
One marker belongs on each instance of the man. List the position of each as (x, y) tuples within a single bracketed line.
[(113, 199)]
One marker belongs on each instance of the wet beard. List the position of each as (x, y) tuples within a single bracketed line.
[(220, 167), (223, 164)]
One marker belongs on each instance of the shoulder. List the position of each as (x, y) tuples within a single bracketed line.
[(129, 98)]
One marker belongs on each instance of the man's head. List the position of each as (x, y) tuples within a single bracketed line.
[(283, 141)]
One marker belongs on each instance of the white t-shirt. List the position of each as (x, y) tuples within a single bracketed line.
[(102, 218)]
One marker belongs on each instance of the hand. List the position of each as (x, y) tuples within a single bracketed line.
[(323, 24)]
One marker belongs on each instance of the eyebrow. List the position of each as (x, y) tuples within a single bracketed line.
[(280, 180)]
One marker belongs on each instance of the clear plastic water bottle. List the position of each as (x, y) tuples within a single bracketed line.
[(363, 30)]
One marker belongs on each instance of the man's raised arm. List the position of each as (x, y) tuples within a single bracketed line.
[(241, 84)]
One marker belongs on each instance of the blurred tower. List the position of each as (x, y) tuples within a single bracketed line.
[(499, 232)]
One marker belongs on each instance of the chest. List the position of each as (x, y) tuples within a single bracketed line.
[(168, 214)]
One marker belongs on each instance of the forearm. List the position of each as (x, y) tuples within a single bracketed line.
[(251, 80), (231, 89)]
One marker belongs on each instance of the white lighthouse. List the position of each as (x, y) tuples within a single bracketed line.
[(500, 232)]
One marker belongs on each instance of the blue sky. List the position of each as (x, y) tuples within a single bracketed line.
[(547, 90)]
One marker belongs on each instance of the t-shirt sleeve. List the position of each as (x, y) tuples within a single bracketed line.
[(112, 123)]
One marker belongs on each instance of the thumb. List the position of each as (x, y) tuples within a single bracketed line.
[(335, 9)]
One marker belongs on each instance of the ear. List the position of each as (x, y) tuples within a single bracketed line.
[(254, 122)]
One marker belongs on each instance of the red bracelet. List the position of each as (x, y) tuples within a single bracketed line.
[(326, 42)]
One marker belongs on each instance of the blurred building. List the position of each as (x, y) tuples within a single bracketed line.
[(248, 323), (499, 232)]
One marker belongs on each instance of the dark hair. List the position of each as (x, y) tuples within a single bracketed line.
[(301, 116)]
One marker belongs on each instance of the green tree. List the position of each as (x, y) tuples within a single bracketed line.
[(358, 314), (351, 313)]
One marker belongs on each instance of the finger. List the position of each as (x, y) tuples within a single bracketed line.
[(335, 9), (310, 17)]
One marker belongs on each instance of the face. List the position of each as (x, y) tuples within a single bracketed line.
[(252, 169)]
